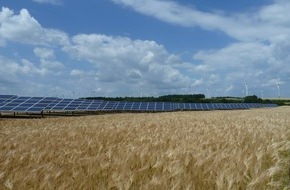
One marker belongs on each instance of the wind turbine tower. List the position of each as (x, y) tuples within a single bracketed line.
[(278, 90), (247, 90), (141, 91), (141, 88)]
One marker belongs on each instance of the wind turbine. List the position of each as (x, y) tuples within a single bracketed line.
[(141, 87), (106, 93), (278, 90), (262, 94), (247, 90)]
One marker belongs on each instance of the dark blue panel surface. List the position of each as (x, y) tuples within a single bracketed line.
[(19, 109), (159, 106), (136, 106), (210, 106), (199, 106), (167, 106), (35, 109), (128, 106), (144, 106), (6, 108), (13, 103), (52, 104), (120, 105), (7, 96), (110, 105), (192, 106), (151, 106)]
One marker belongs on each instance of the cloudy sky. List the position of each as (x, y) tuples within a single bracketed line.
[(113, 48)]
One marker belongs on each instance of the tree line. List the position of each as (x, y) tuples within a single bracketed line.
[(194, 98)]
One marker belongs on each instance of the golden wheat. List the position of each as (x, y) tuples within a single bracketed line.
[(248, 149)]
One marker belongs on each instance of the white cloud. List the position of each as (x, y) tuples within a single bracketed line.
[(8, 69), (25, 67), (198, 82), (108, 62), (261, 25), (12, 68), (47, 60), (119, 66), (276, 14), (25, 29), (44, 53), (236, 56), (256, 63), (123, 59), (272, 82)]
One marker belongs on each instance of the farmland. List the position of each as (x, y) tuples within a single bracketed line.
[(240, 149)]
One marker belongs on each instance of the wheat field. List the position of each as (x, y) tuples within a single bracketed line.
[(241, 149)]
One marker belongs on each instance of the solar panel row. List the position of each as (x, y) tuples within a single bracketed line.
[(11, 103)]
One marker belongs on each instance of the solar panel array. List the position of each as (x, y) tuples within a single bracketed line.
[(12, 103)]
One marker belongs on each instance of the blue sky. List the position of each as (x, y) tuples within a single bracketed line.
[(144, 47)]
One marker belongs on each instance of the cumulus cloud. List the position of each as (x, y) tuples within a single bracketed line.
[(114, 63), (256, 63), (26, 67), (25, 29), (260, 56), (123, 59), (44, 53), (47, 60), (117, 66)]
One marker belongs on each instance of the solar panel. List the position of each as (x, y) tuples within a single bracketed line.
[(237, 106), (110, 105), (258, 105), (187, 106), (25, 104), (4, 98), (136, 106), (6, 108), (151, 106), (193, 106), (73, 105), (84, 105), (59, 105), (120, 105), (219, 106), (52, 104), (128, 105), (17, 104), (159, 106), (7, 96), (12, 103), (94, 106), (167, 106), (41, 104), (102, 105), (144, 106), (199, 106), (227, 106), (177, 106), (20, 109), (210, 106), (205, 106)]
